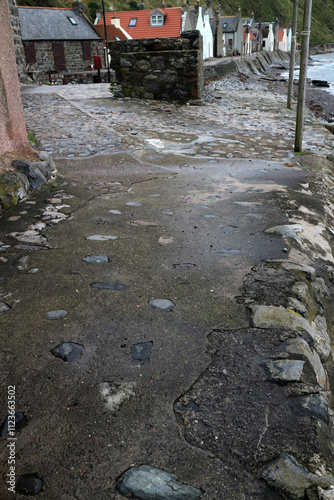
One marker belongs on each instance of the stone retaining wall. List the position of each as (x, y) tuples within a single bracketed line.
[(160, 68), (19, 50)]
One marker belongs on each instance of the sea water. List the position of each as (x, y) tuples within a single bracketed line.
[(321, 67)]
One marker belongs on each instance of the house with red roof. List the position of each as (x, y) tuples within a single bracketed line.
[(283, 39), (114, 31), (249, 45), (146, 23)]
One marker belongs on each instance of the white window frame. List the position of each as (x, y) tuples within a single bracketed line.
[(133, 22), (157, 20)]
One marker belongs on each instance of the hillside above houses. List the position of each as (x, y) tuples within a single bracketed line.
[(322, 29)]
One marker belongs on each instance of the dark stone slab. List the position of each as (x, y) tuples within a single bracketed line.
[(20, 422), (313, 405), (56, 314), (67, 351), (28, 484), (96, 258), (108, 286), (149, 483), (141, 352)]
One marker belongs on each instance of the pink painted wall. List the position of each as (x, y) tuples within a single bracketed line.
[(13, 135)]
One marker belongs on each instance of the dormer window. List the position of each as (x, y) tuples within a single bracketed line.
[(157, 18), (133, 22)]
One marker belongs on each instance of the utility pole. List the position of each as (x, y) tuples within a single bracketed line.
[(106, 39), (292, 52), (303, 75)]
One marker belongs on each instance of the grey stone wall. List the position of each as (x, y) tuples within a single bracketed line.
[(39, 70), (160, 68), (19, 51)]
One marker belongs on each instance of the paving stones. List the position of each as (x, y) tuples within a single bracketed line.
[(101, 237), (163, 305), (59, 314), (67, 351), (149, 483), (115, 393), (99, 259), (141, 352), (108, 286), (28, 484)]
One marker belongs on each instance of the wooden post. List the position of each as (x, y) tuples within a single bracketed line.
[(292, 53), (303, 75)]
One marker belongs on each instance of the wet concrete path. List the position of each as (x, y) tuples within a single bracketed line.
[(157, 233)]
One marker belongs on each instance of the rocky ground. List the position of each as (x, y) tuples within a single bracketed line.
[(166, 304)]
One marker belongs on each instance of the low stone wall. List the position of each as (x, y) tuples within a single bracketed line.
[(255, 64), (160, 68), (322, 48)]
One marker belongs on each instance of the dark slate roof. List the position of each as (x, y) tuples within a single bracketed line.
[(39, 23), (231, 24)]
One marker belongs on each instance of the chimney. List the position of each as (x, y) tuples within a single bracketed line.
[(115, 22), (98, 16), (197, 8), (163, 6), (78, 6)]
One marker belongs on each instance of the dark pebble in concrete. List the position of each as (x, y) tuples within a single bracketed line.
[(67, 351), (56, 314), (150, 483), (20, 422), (141, 352), (190, 406), (28, 485), (229, 229), (184, 266), (108, 286), (96, 258), (164, 305)]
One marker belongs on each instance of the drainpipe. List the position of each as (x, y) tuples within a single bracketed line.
[(106, 39)]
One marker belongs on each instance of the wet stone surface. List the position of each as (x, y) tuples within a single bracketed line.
[(96, 258), (164, 305), (108, 286), (28, 484), (20, 422), (59, 314), (150, 483), (67, 351), (141, 352)]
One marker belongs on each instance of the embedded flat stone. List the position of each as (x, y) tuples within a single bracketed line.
[(314, 405), (287, 231), (141, 352), (108, 286), (4, 307), (67, 351), (96, 258), (143, 223), (279, 317), (313, 372), (285, 371), (164, 305), (28, 484), (20, 422), (289, 265), (115, 212), (286, 476), (166, 241), (101, 237), (322, 341), (56, 314), (133, 204), (149, 483)]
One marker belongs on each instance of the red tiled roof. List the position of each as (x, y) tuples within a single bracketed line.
[(281, 34), (143, 29), (112, 32), (252, 37)]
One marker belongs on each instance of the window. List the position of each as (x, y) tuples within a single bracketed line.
[(72, 20), (224, 25), (133, 21), (157, 20), (117, 38), (230, 42), (58, 55)]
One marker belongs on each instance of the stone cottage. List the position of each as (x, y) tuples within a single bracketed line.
[(233, 34), (58, 40)]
